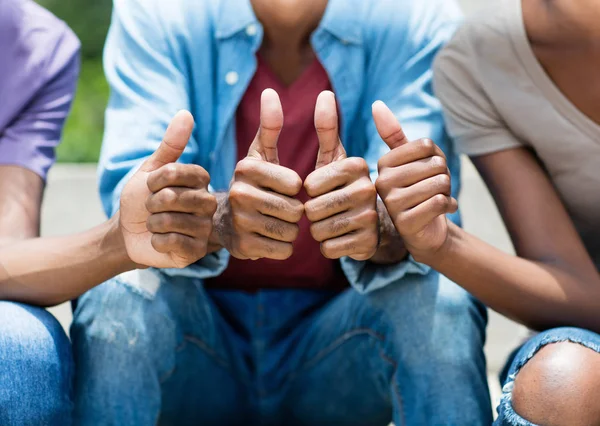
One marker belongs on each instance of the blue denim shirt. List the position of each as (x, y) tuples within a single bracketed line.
[(199, 55)]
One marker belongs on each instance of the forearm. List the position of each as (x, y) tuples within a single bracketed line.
[(539, 295), (391, 247), (49, 271)]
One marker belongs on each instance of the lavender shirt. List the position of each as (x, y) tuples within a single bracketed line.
[(39, 65)]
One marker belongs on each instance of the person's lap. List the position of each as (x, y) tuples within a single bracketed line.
[(174, 353), (36, 370), (530, 352)]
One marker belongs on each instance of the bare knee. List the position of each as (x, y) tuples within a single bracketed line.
[(559, 386)]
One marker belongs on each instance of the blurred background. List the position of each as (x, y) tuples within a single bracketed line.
[(83, 132)]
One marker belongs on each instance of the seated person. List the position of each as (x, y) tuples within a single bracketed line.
[(38, 74), (521, 91), (307, 310), (37, 79)]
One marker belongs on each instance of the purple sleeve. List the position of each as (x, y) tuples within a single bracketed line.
[(31, 137)]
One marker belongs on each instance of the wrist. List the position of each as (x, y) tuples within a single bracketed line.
[(113, 245), (435, 258), (221, 223), (391, 247)]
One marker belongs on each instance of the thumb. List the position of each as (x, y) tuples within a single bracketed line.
[(264, 146), (388, 126), (326, 123), (174, 142)]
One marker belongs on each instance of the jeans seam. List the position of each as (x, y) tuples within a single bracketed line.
[(333, 346), (396, 387), (208, 350)]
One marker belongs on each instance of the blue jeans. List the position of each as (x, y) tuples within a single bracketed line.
[(506, 414), (155, 350), (36, 368)]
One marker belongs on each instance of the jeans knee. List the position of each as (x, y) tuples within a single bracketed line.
[(559, 385), (121, 319), (36, 376)]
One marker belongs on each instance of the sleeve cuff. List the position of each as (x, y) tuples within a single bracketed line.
[(366, 277), (210, 266)]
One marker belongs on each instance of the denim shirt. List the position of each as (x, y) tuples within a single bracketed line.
[(199, 55)]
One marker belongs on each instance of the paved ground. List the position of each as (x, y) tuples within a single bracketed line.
[(72, 204)]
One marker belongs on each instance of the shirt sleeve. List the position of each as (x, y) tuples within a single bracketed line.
[(30, 140), (149, 83), (473, 121), (400, 74)]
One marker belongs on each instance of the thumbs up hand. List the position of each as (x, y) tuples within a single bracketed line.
[(414, 183), (166, 210), (261, 218), (343, 209)]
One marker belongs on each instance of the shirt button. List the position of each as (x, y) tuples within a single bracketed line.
[(232, 78), (251, 30)]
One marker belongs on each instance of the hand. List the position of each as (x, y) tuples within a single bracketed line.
[(166, 209), (261, 216), (414, 183), (343, 210)]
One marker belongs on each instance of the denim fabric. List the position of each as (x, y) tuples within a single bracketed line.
[(36, 368), (506, 415), (163, 56), (152, 349)]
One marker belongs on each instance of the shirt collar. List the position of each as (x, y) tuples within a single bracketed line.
[(233, 17), (341, 19)]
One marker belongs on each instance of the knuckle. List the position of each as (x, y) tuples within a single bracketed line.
[(357, 165), (310, 208), (443, 182), (294, 232), (167, 197), (244, 168), (211, 204), (287, 251), (370, 217), (367, 190), (203, 176), (239, 194), (165, 221), (171, 172), (315, 232), (427, 146), (298, 212), (296, 183), (385, 180), (440, 202), (326, 250), (439, 163)]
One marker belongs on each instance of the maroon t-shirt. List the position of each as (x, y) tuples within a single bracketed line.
[(298, 146)]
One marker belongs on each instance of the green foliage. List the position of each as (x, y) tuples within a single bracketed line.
[(89, 19), (82, 136)]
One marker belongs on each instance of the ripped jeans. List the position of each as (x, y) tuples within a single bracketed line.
[(151, 349), (506, 414)]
